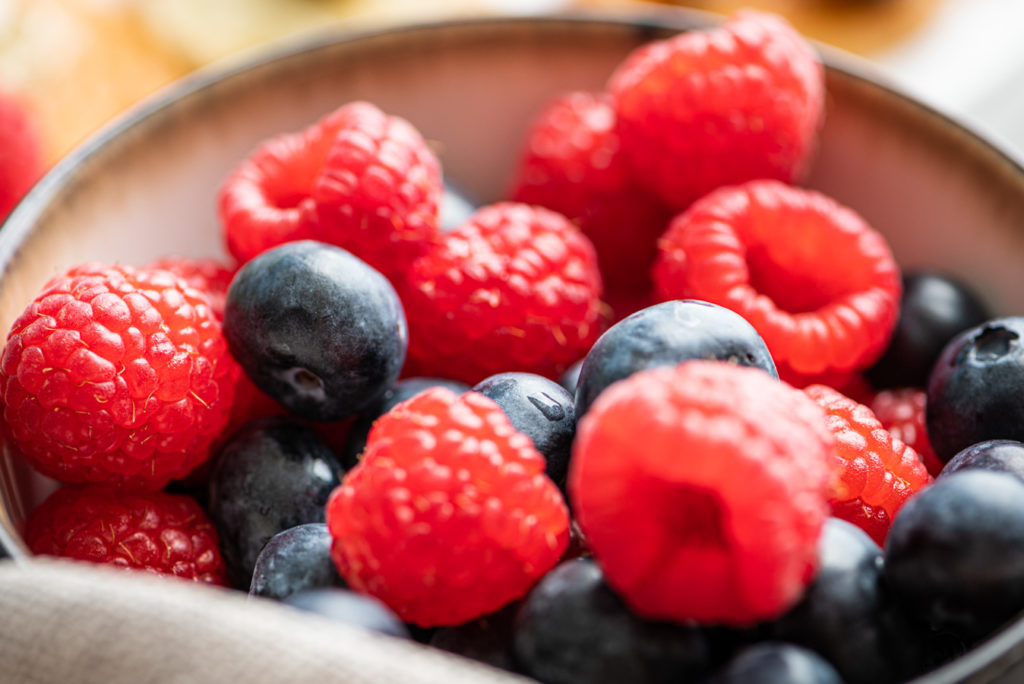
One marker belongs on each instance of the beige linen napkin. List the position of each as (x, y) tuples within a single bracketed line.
[(64, 622)]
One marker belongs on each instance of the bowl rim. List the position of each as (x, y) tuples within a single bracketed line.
[(996, 654)]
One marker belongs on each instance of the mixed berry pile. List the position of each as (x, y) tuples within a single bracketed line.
[(660, 415)]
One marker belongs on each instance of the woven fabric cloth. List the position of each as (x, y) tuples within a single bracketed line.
[(64, 622)]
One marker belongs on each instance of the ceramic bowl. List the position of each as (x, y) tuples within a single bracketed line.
[(145, 186)]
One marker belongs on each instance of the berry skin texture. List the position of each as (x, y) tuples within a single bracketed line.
[(761, 249), (998, 455), (666, 334), (955, 555), (902, 413), (21, 156), (135, 529), (295, 560), (449, 516), (379, 190), (571, 163), (316, 329), (776, 663), (877, 472), (209, 276), (974, 390), (517, 288), (725, 469), (115, 374), (719, 107)]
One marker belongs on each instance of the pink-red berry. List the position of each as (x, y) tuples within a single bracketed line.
[(21, 155)]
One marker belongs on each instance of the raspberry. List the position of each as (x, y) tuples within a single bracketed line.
[(724, 470), (135, 529), (902, 413), (209, 276), (116, 374), (266, 201), (517, 288), (21, 154), (719, 107), (571, 164), (763, 250), (448, 515), (877, 472), (378, 192)]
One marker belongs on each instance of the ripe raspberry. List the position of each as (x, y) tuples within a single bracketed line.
[(517, 288), (719, 107), (209, 276), (767, 251), (448, 515), (877, 472), (134, 529), (902, 413), (21, 154), (571, 164), (378, 192), (116, 374), (726, 472)]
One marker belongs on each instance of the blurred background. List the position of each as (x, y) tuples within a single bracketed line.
[(74, 64)]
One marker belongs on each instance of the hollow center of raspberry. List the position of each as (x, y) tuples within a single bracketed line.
[(693, 517), (793, 287)]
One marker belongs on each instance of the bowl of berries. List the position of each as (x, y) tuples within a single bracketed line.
[(598, 349)]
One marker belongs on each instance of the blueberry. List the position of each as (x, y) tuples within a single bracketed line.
[(666, 334), (844, 614), (316, 329), (273, 474), (934, 309), (999, 455), (974, 390), (456, 207), (351, 608), (573, 628), (955, 553), (571, 377), (487, 639), (776, 663), (296, 559), (541, 409), (399, 392)]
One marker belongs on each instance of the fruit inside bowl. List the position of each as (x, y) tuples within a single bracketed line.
[(252, 352)]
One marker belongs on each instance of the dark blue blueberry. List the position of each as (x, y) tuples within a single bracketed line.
[(571, 377), (295, 560), (272, 475), (776, 663), (487, 639), (351, 608), (955, 553), (572, 629), (541, 409), (399, 392), (456, 207), (1000, 455), (316, 329), (666, 334), (844, 614), (935, 308), (974, 392)]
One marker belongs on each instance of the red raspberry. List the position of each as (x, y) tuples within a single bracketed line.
[(21, 157), (719, 107), (209, 276), (877, 472), (115, 374), (135, 529), (571, 164), (378, 192), (901, 412), (702, 491), (516, 288), (818, 284), (449, 515)]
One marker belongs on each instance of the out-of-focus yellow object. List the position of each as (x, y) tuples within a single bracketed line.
[(861, 26)]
